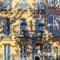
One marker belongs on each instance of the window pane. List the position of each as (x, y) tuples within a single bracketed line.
[(6, 52), (55, 29), (6, 26), (6, 4), (39, 5), (23, 5), (50, 29), (50, 21)]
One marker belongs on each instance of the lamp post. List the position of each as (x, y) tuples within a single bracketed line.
[(23, 35), (40, 29)]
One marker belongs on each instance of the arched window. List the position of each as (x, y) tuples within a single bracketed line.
[(52, 2), (53, 24), (22, 6)]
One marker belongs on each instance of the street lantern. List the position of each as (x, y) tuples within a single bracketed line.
[(23, 25), (41, 28), (40, 35), (23, 29), (23, 35)]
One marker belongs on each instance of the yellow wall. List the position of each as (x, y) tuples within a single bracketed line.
[(14, 14)]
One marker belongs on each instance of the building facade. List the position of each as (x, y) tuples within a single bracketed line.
[(14, 12)]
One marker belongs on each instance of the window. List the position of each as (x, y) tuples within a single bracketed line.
[(23, 5), (6, 52), (39, 5), (53, 24), (52, 2), (6, 5), (6, 27)]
